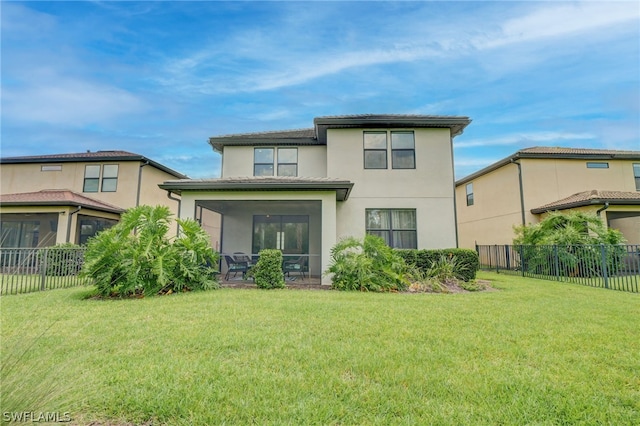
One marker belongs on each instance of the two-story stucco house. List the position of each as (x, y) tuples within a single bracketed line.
[(52, 199), (522, 188), (301, 191)]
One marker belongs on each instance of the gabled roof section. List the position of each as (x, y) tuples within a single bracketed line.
[(590, 198), (318, 134), (271, 183), (550, 152), (90, 156), (56, 197), (280, 137)]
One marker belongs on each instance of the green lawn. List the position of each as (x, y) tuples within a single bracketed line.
[(534, 352)]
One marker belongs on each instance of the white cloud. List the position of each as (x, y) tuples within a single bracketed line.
[(524, 139), (553, 21), (68, 102)]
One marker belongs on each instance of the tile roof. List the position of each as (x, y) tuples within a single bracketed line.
[(550, 152), (592, 197), (557, 150), (89, 156), (56, 197)]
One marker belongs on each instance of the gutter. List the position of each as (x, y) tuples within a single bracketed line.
[(179, 200), (69, 223), (600, 210)]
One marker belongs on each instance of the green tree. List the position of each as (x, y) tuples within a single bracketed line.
[(137, 256)]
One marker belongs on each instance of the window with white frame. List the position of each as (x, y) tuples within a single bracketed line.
[(397, 227)]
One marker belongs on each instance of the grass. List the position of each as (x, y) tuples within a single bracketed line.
[(535, 352)]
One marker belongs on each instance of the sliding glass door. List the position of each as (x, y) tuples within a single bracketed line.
[(290, 234)]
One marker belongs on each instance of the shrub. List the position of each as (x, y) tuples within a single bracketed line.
[(123, 262), (466, 263), (367, 265), (62, 259), (268, 271)]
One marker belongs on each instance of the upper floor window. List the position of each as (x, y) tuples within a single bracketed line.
[(597, 165), (469, 189), (284, 161), (287, 161), (403, 150), (375, 150), (51, 168), (636, 175), (92, 182), (397, 227)]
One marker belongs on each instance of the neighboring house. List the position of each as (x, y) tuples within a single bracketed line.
[(52, 199), (301, 191), (523, 187)]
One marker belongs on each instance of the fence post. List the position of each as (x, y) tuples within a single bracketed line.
[(507, 256), (556, 262), (604, 265), (43, 271), (497, 260)]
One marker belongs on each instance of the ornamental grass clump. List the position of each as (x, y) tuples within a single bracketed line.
[(136, 257), (366, 265)]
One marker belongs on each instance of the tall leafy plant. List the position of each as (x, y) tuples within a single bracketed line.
[(571, 243), (137, 256), (366, 265)]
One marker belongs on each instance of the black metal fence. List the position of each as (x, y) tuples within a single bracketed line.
[(24, 270), (615, 267)]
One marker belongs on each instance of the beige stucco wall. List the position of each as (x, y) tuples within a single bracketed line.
[(496, 206), (495, 210), (20, 178), (238, 161), (428, 188)]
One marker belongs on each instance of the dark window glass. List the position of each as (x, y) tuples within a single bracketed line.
[(263, 162), (109, 178), (636, 175), (287, 162), (469, 194), (375, 150), (597, 165), (91, 178), (403, 155)]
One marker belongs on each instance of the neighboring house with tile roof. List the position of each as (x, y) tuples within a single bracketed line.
[(522, 188), (303, 190), (51, 199)]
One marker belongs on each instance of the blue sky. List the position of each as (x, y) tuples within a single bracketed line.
[(159, 78)]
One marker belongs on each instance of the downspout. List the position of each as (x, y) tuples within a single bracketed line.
[(146, 163), (69, 223), (455, 205), (600, 210), (179, 200), (521, 190)]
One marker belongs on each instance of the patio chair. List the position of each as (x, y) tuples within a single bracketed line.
[(295, 265), (235, 266)]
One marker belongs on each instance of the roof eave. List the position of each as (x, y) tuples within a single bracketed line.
[(61, 203), (585, 203), (342, 189)]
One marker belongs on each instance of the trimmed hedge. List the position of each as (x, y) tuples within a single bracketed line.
[(423, 259), (268, 271)]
